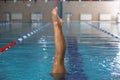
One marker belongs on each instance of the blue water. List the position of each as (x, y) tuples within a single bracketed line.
[(90, 54)]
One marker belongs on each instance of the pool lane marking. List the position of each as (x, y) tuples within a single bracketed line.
[(104, 31), (6, 47), (19, 40)]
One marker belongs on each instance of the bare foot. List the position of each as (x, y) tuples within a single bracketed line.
[(55, 17)]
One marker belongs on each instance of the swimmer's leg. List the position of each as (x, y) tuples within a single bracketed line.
[(58, 68)]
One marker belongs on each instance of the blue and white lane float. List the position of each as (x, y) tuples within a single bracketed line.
[(19, 40), (109, 33)]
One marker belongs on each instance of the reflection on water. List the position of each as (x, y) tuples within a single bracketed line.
[(75, 69), (74, 61), (118, 28), (92, 59), (4, 27)]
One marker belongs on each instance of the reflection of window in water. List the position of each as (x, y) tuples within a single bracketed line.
[(105, 25), (118, 28)]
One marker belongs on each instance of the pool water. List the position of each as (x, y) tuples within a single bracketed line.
[(90, 55)]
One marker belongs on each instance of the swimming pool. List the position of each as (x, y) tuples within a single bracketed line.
[(91, 54)]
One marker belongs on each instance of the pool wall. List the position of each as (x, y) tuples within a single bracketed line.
[(94, 8)]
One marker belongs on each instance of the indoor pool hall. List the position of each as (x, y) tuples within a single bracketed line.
[(59, 40)]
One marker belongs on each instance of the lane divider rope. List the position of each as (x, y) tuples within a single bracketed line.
[(19, 40), (107, 32)]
